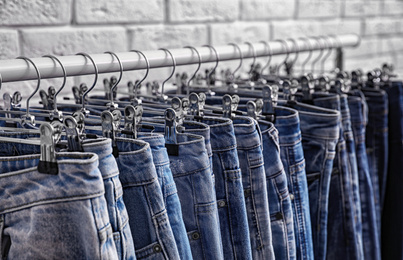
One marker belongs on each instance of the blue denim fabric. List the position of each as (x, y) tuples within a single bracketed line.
[(148, 217), (169, 191), (229, 189), (292, 157), (114, 196), (343, 239), (376, 140), (392, 218), (250, 155), (320, 131), (194, 181), (371, 238), (280, 208), (61, 216)]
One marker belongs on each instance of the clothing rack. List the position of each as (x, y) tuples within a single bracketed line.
[(75, 65)]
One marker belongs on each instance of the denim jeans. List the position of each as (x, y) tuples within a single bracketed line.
[(392, 218), (61, 216), (229, 189), (320, 131), (376, 140), (148, 218), (194, 181), (292, 157), (359, 118), (280, 208), (343, 238), (169, 191), (114, 196), (250, 155)]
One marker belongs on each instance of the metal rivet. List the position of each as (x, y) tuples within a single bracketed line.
[(157, 248), (221, 203), (195, 235), (292, 196)]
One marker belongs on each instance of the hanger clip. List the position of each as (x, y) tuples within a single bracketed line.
[(177, 106), (307, 88), (230, 104), (171, 142), (78, 92), (110, 126), (74, 127), (133, 116), (323, 84), (270, 96), (50, 135), (251, 109)]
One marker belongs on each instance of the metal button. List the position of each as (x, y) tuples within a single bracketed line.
[(292, 196), (195, 235), (221, 203), (157, 248)]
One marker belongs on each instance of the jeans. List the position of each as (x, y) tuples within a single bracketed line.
[(148, 217), (169, 191), (392, 218), (376, 140), (280, 208), (229, 189), (320, 131), (250, 155), (371, 238), (36, 207), (114, 196), (194, 181), (292, 157)]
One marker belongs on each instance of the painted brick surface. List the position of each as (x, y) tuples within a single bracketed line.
[(382, 26), (319, 8), (201, 11), (263, 9), (35, 12), (295, 29), (239, 32), (340, 26), (8, 44), (119, 11), (362, 8)]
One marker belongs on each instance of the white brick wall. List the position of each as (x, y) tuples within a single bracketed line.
[(65, 27)]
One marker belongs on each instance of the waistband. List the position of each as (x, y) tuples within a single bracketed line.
[(377, 101), (345, 112), (247, 132), (317, 122), (271, 152), (356, 110), (135, 162), (287, 124), (103, 148), (222, 135), (157, 145), (22, 186), (326, 100), (192, 155)]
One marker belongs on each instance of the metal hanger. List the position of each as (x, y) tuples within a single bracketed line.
[(270, 56), (320, 54), (83, 110), (306, 40), (212, 71), (162, 97), (252, 66), (232, 75), (284, 43), (112, 105), (198, 67), (135, 101), (293, 62), (325, 57)]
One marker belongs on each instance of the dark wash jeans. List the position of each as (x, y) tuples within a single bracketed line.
[(292, 157), (392, 218), (281, 216), (250, 155), (194, 181), (142, 194), (377, 144), (359, 117)]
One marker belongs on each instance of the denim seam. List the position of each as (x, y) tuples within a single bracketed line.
[(273, 176), (249, 147), (223, 149), (316, 136), (141, 183), (233, 171), (47, 201), (190, 173)]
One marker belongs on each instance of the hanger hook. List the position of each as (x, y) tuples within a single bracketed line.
[(294, 42), (327, 55), (38, 84), (254, 58), (270, 56), (217, 60), (95, 80), (198, 67), (173, 70), (317, 39), (307, 42), (120, 75), (240, 58), (64, 76), (145, 76), (284, 43)]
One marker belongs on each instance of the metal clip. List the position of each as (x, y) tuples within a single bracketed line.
[(176, 104), (78, 92), (307, 88), (251, 108), (185, 106), (50, 135), (194, 108), (227, 106), (323, 84), (171, 141), (267, 108), (133, 116), (110, 126), (74, 127)]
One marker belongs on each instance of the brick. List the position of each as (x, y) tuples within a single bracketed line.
[(239, 32), (152, 37), (394, 7), (68, 41), (263, 9), (202, 11), (368, 63), (367, 47), (9, 47), (35, 12), (295, 29), (339, 26), (319, 8), (381, 26), (119, 11), (362, 8), (392, 44)]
